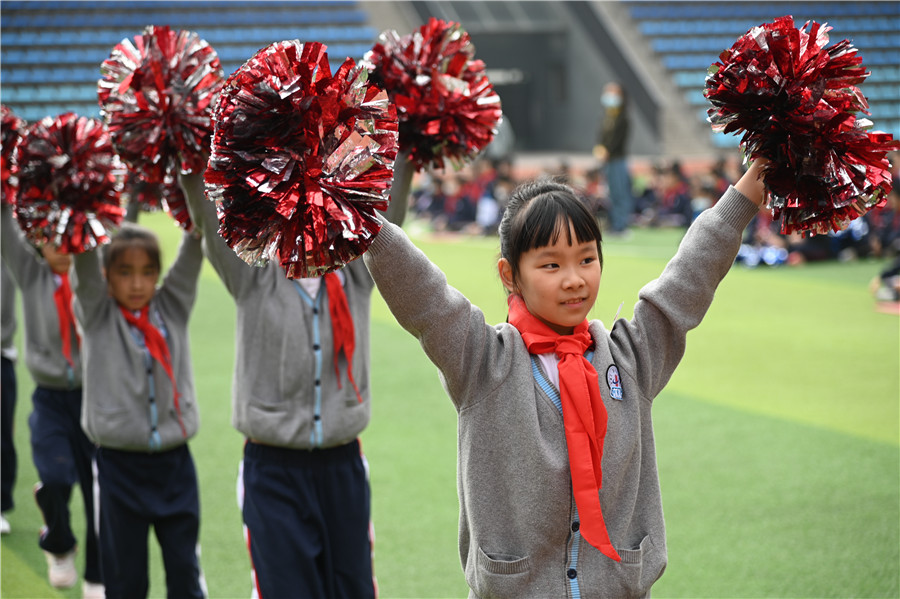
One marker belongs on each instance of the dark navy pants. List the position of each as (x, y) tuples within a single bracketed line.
[(63, 455), (307, 521), (9, 463), (140, 490)]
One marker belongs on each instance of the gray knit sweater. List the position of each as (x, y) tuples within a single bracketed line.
[(43, 344), (116, 411), (282, 342), (517, 513)]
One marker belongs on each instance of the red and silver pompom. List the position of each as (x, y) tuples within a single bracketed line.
[(796, 103), (301, 159), (69, 183), (447, 107), (156, 96), (147, 196), (11, 132)]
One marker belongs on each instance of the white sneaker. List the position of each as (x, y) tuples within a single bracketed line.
[(93, 590), (61, 569), (5, 528)]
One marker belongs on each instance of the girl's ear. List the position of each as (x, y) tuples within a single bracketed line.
[(506, 274)]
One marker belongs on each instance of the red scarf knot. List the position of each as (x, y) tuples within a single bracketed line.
[(584, 415), (159, 351)]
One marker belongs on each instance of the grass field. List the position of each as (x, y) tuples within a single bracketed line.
[(777, 437)]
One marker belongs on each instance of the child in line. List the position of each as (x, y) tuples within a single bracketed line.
[(301, 396), (9, 461), (558, 487), (140, 407), (61, 452)]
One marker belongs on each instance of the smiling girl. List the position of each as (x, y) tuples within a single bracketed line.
[(557, 478)]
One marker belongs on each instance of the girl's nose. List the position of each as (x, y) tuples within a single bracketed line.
[(573, 280)]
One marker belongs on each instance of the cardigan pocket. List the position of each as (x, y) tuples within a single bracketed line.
[(633, 576), (500, 575)]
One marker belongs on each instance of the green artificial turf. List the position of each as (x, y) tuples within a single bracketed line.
[(777, 437)]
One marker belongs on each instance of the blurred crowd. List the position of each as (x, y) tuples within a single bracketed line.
[(875, 235), (471, 201)]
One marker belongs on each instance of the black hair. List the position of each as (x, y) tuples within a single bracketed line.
[(132, 236), (535, 216)]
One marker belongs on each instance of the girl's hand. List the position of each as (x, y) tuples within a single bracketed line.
[(751, 184)]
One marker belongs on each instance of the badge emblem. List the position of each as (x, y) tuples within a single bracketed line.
[(614, 382)]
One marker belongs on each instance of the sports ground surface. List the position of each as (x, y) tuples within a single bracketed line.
[(777, 437)]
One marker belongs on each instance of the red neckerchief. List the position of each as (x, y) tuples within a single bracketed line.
[(342, 332), (584, 415), (62, 296), (158, 348)]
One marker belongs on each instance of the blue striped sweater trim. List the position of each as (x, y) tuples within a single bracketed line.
[(316, 435), (553, 393)]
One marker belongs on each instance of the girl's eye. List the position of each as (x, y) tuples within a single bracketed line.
[(551, 265), (588, 260)]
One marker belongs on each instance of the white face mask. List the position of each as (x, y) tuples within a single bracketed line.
[(611, 100)]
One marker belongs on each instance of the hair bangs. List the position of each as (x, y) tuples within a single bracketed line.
[(132, 236), (552, 214)]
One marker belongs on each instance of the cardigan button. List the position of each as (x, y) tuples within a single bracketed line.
[(571, 573), (575, 526)]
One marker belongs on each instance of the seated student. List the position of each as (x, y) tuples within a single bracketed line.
[(140, 408), (9, 462)]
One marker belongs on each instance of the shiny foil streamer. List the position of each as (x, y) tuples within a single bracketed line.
[(156, 95), (796, 102), (69, 183), (148, 196), (155, 195), (301, 159), (447, 107), (10, 134)]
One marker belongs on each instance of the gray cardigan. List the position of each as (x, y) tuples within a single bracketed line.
[(43, 345), (274, 399), (116, 408), (517, 512)]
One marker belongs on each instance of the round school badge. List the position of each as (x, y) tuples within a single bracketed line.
[(614, 382)]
